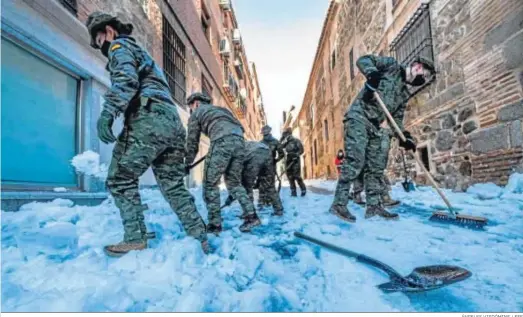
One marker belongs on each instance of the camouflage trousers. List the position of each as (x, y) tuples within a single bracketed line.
[(293, 171), (262, 166), (152, 137), (358, 186), (225, 158), (362, 142)]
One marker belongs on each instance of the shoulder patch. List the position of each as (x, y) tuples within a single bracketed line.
[(115, 47)]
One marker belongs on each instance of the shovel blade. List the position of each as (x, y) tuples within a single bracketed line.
[(427, 278)]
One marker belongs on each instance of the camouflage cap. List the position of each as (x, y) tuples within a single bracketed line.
[(266, 130), (198, 96), (96, 22), (427, 64)]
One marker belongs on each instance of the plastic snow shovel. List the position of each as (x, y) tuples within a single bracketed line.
[(408, 186), (421, 279), (451, 217)]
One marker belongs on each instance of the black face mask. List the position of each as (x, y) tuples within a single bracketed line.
[(418, 80), (105, 48)]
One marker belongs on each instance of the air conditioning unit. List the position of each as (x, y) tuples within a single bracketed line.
[(225, 47), (236, 37), (225, 5)]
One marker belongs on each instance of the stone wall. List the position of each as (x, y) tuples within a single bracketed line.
[(470, 117)]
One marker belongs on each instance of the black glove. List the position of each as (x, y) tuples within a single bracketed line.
[(104, 127), (229, 201), (409, 143), (187, 169), (373, 80)]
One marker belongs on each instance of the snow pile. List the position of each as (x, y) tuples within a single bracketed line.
[(53, 260), (88, 163), (60, 190), (321, 183), (485, 191), (515, 184)]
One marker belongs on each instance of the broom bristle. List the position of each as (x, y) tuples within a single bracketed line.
[(463, 220)]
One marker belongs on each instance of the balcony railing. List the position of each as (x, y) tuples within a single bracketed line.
[(240, 107), (229, 84)]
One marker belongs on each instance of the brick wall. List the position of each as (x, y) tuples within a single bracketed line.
[(469, 118)]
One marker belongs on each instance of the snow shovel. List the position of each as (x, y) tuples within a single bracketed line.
[(284, 172), (421, 279), (201, 159), (451, 217), (408, 186)]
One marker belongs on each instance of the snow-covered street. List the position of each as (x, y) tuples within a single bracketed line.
[(52, 258)]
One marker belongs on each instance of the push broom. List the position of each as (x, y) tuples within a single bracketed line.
[(452, 217)]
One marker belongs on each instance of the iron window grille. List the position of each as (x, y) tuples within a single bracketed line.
[(415, 39), (174, 62), (71, 6)]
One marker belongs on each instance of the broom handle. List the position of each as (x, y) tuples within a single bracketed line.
[(420, 163)]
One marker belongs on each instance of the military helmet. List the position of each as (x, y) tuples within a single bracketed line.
[(96, 22), (266, 130), (427, 64), (198, 96)]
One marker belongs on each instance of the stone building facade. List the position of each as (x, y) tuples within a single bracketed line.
[(468, 120), (53, 84)]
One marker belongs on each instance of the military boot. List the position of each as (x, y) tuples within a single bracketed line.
[(377, 210), (122, 248), (205, 247), (357, 199), (215, 229), (342, 212), (303, 192), (388, 201), (293, 194), (250, 222)]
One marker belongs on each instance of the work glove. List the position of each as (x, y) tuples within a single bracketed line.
[(373, 80), (409, 143), (104, 126), (229, 201)]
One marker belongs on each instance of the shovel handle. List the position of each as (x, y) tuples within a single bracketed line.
[(197, 162), (418, 159)]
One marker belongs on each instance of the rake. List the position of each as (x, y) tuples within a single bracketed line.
[(452, 217)]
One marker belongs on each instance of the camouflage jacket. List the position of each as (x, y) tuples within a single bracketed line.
[(134, 74), (213, 121), (274, 145), (254, 148), (392, 90), (293, 147)]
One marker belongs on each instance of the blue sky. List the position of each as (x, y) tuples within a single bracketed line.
[(280, 37)]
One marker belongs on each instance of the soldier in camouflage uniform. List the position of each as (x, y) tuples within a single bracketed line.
[(225, 158), (294, 149), (362, 124), (277, 155), (386, 135), (153, 134), (259, 164)]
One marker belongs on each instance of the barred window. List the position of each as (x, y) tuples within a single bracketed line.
[(415, 39), (315, 152), (326, 126), (174, 62), (71, 6)]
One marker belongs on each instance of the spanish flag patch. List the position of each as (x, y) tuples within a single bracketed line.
[(115, 47)]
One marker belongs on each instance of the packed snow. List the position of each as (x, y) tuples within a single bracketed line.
[(53, 260)]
